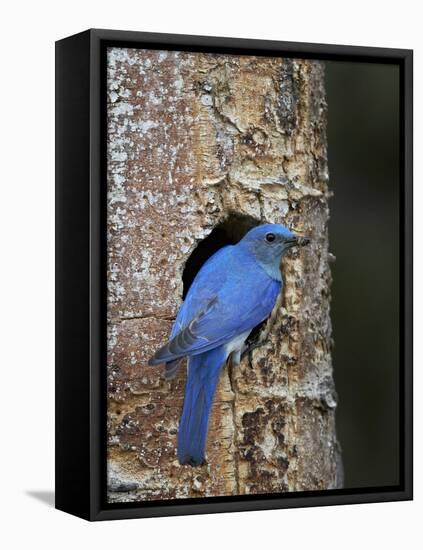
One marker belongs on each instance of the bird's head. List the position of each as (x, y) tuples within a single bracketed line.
[(268, 243)]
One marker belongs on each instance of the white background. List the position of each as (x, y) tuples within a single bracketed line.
[(28, 32)]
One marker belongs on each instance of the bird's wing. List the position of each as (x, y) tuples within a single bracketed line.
[(188, 340), (244, 300), (204, 287)]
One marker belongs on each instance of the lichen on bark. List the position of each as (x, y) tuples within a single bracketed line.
[(195, 139)]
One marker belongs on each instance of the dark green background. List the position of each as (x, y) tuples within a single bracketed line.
[(363, 149)]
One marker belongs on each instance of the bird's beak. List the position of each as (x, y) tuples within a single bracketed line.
[(297, 241)]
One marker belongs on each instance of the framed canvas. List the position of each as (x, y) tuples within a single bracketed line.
[(234, 274)]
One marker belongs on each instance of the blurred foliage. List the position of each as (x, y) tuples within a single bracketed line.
[(363, 148)]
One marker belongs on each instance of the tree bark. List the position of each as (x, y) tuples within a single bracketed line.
[(195, 139)]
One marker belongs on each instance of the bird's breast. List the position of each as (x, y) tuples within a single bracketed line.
[(236, 343)]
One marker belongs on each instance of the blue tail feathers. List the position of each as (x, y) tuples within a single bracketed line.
[(203, 375)]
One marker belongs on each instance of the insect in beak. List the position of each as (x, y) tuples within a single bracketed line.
[(303, 241), (297, 241)]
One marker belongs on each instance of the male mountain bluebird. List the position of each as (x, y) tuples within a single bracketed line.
[(234, 291)]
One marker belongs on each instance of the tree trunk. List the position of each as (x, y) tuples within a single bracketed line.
[(196, 140)]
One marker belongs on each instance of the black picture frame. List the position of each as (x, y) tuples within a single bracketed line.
[(81, 286)]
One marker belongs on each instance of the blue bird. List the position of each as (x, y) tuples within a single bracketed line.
[(234, 291)]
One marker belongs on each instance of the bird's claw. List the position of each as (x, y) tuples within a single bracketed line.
[(249, 349)]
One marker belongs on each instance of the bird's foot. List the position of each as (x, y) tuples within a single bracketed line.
[(249, 349)]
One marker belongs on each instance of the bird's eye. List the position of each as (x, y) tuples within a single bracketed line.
[(270, 237)]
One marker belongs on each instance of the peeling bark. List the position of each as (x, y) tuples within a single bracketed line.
[(192, 139)]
